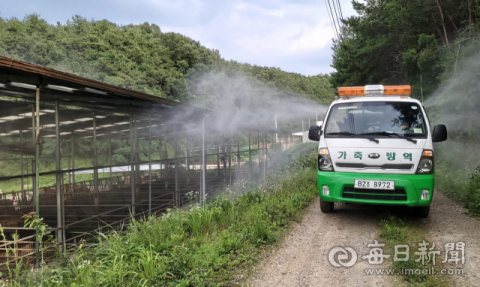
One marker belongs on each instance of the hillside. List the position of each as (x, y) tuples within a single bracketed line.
[(142, 58)]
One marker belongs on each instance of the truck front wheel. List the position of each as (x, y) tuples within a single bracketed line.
[(422, 211), (326, 206)]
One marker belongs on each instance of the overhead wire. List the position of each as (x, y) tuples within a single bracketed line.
[(345, 39), (339, 6), (337, 18), (340, 10), (331, 20)]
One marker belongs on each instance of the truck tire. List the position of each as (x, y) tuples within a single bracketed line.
[(422, 211), (326, 206)]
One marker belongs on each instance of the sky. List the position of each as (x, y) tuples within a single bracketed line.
[(293, 35)]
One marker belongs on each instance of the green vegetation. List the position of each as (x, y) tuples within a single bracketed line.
[(456, 104), (431, 45), (203, 246), (397, 230), (459, 179), (397, 41), (141, 57)]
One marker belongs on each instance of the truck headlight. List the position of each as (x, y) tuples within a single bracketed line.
[(425, 165), (324, 160), (324, 163)]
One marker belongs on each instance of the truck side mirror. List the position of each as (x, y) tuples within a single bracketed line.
[(439, 133), (314, 133)]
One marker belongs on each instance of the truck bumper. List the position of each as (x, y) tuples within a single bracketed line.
[(408, 188)]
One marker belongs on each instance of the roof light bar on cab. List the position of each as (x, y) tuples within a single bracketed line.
[(374, 90), (351, 91), (398, 90)]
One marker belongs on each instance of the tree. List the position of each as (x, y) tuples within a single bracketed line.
[(396, 42)]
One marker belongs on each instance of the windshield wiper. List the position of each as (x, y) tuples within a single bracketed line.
[(352, 135), (392, 135)]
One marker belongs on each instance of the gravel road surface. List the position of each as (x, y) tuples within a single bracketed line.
[(301, 259), (448, 222)]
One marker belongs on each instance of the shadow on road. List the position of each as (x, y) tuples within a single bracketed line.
[(363, 212)]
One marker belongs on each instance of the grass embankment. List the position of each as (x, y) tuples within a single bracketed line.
[(457, 173), (204, 246), (456, 104), (400, 230)]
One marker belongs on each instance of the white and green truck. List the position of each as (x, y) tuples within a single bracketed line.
[(376, 147)]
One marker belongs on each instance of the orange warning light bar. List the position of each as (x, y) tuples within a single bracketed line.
[(351, 91), (374, 90), (397, 90)]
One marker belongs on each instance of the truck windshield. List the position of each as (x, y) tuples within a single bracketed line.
[(376, 118)]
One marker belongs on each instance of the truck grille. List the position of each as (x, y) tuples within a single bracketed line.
[(375, 194), (383, 166)]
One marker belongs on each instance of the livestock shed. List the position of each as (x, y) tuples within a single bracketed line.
[(86, 156)]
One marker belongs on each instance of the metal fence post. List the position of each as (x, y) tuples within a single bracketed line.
[(132, 164), (177, 195), (95, 164), (150, 166), (265, 155), (230, 158), (73, 165), (58, 168), (204, 165), (37, 176), (249, 158)]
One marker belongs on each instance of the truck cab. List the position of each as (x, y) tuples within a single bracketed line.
[(376, 147)]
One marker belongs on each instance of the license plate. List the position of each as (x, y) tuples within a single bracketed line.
[(375, 184)]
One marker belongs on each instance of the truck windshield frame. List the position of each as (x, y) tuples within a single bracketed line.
[(404, 119)]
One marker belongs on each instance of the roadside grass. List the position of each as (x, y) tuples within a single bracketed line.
[(210, 245), (457, 173), (454, 185), (401, 230)]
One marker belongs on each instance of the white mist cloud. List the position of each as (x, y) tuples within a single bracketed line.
[(457, 102), (241, 102)]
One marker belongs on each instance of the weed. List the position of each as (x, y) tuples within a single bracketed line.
[(395, 230), (203, 246)]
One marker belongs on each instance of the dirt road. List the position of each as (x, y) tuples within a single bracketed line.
[(448, 222), (302, 258)]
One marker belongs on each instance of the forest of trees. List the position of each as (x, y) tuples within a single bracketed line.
[(142, 58), (403, 42)]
